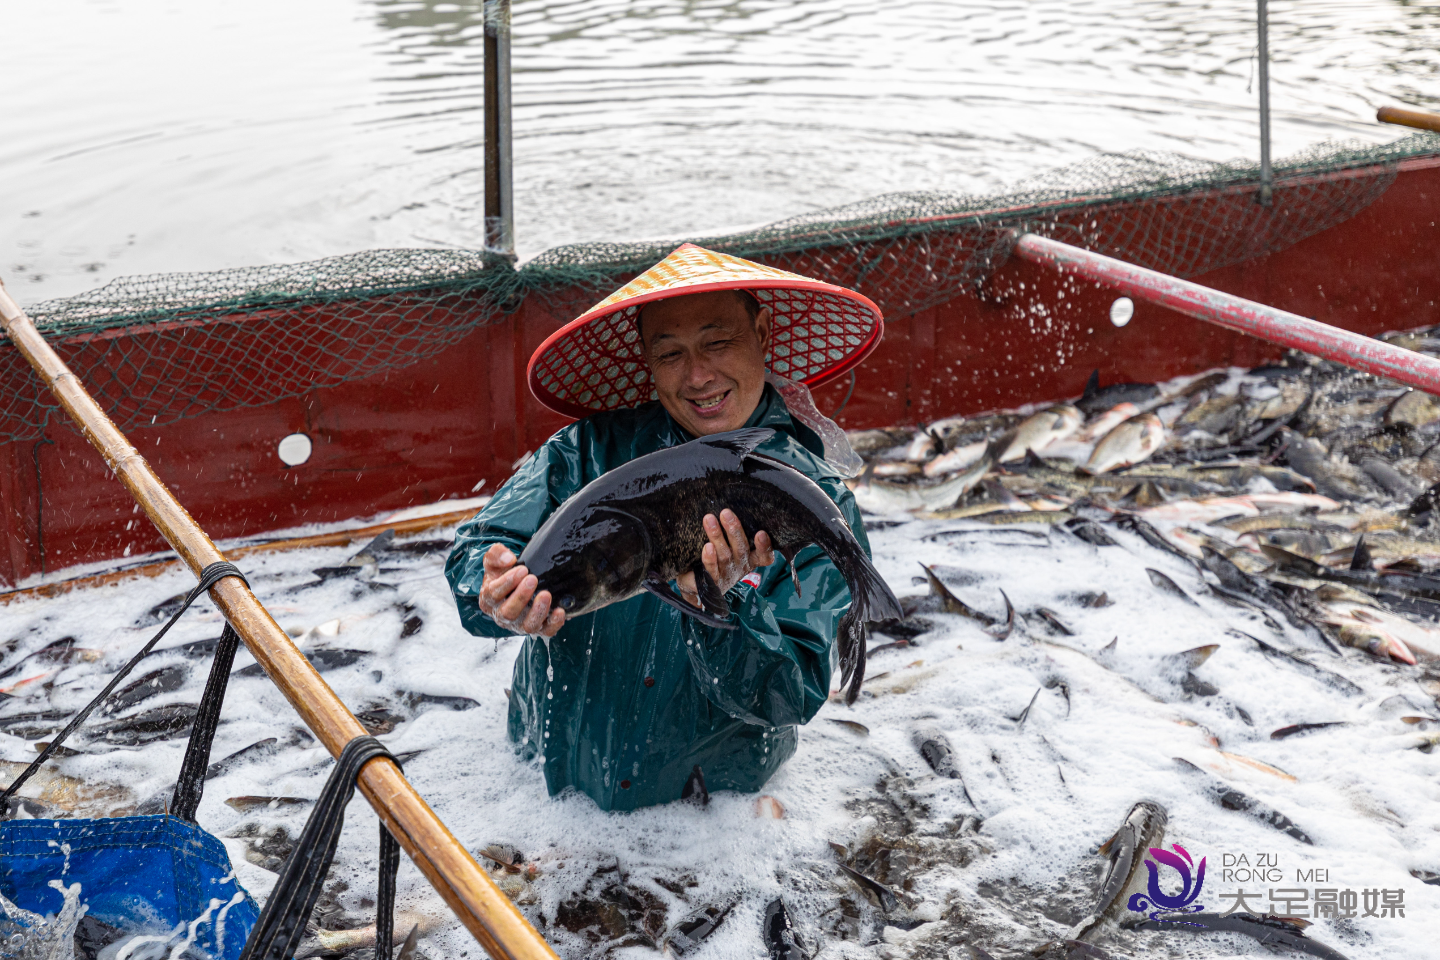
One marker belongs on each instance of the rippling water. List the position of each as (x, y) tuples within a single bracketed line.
[(156, 135)]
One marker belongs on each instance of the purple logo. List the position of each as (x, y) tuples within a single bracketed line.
[(1157, 901)]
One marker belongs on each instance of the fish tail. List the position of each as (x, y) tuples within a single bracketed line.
[(870, 599), (852, 638)]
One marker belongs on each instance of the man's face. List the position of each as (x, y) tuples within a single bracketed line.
[(707, 359)]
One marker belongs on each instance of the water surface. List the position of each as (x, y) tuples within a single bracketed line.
[(156, 135)]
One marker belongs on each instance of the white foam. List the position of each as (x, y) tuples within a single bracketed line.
[(1113, 748)]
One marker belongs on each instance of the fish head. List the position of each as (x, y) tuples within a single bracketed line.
[(1067, 418), (592, 559)]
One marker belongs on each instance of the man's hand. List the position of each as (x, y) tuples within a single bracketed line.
[(508, 591), (728, 557)]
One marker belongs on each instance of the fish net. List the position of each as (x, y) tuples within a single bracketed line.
[(156, 349)]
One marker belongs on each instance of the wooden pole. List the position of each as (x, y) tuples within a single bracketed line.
[(1409, 118), (485, 911)]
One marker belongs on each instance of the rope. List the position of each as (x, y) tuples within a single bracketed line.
[(848, 394), (211, 575), (278, 932), (191, 784), (385, 895)]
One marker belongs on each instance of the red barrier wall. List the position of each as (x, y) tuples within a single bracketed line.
[(439, 427)]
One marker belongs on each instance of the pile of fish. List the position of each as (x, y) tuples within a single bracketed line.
[(1197, 618), (1305, 485)]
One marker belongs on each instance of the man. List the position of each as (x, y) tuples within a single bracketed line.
[(625, 702)]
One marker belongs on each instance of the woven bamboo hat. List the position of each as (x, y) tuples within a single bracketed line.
[(596, 362)]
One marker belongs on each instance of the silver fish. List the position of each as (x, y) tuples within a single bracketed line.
[(1414, 407), (1041, 430), (922, 447), (957, 459), (344, 941), (1144, 827), (1106, 422), (884, 498), (1128, 444)]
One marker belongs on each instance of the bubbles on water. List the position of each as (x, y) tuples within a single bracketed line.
[(30, 936)]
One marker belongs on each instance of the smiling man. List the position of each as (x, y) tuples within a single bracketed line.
[(635, 703)]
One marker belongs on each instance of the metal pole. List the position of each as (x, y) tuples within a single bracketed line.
[(499, 197), (1267, 178), (488, 914), (1235, 313)]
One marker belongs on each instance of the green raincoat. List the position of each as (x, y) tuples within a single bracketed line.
[(623, 702)]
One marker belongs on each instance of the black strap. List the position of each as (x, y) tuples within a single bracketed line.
[(191, 785), (385, 896), (277, 934), (212, 574)]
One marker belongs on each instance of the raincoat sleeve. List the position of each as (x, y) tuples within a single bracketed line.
[(775, 669), (549, 478)]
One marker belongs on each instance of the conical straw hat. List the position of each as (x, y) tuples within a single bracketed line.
[(596, 362)]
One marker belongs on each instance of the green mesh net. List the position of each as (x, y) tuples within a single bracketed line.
[(156, 349)]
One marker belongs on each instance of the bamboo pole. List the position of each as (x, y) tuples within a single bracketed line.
[(486, 912), (1423, 119)]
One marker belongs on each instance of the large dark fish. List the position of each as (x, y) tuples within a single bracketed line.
[(781, 939), (1232, 799), (641, 525)]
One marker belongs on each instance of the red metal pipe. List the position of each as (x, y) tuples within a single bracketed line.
[(1236, 313)]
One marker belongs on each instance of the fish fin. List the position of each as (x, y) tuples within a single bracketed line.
[(1360, 559), (876, 601), (1025, 714), (1053, 618), (1092, 386), (694, 789), (640, 527), (739, 442), (407, 949), (661, 589), (711, 597), (884, 895), (871, 600), (1001, 631), (790, 561), (367, 552), (951, 603)]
